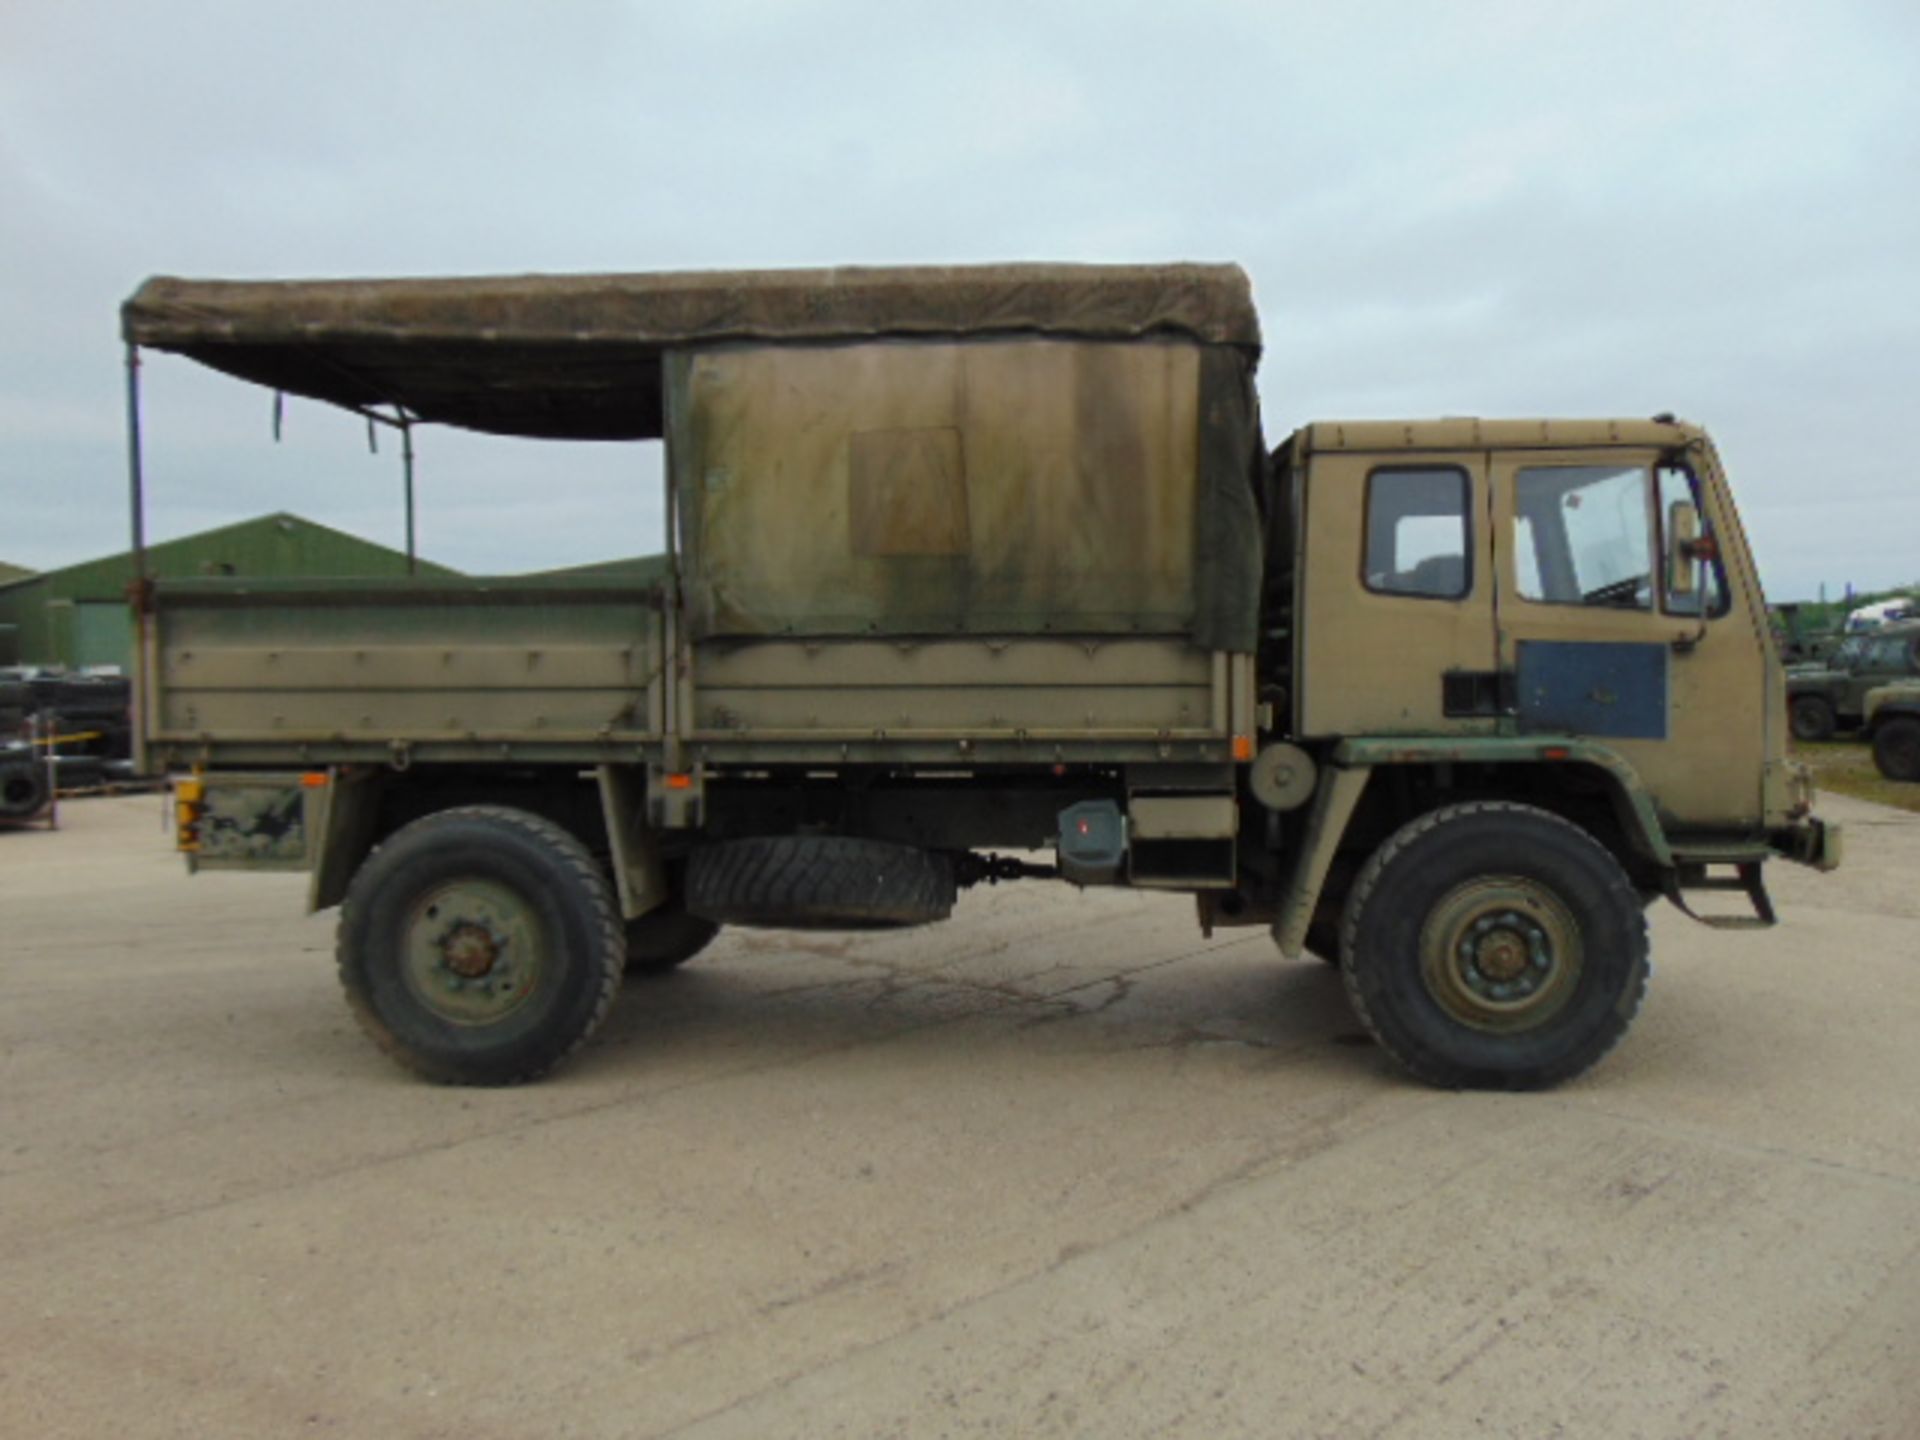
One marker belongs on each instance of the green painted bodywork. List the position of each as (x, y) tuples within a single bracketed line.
[(1640, 816)]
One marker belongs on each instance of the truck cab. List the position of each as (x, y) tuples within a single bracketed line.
[(1500, 580)]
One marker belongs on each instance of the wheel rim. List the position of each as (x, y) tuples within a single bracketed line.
[(1501, 953), (1809, 720), (473, 951)]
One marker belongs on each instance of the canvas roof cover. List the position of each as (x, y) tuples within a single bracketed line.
[(579, 356)]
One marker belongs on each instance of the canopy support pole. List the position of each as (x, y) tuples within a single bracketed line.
[(139, 593), (136, 484), (406, 467)]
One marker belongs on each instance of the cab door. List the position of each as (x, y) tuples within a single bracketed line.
[(1605, 641), (1395, 606)]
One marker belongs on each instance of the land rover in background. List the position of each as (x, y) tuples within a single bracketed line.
[(1892, 727), (1828, 696), (967, 564)]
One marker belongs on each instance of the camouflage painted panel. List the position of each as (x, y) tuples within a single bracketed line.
[(254, 823)]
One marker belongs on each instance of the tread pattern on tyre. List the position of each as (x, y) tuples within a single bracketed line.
[(605, 920), (1438, 1073), (819, 881)]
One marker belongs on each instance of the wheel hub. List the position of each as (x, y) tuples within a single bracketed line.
[(470, 950), (1501, 953), (1505, 956), (474, 950)]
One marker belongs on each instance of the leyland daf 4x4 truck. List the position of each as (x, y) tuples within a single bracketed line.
[(977, 574)]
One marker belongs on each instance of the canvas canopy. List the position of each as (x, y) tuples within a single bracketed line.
[(987, 487), (580, 357)]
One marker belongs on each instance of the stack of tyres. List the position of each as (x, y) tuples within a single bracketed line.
[(96, 707), (24, 791), (16, 704), (25, 787)]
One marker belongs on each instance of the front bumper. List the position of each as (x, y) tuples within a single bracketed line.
[(1810, 842)]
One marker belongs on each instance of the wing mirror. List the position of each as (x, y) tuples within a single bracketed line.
[(1685, 548)]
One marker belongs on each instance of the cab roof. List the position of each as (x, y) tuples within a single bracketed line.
[(1471, 433)]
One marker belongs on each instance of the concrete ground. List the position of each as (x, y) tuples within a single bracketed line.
[(1060, 1167)]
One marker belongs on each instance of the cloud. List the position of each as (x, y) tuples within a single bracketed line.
[(1496, 208)]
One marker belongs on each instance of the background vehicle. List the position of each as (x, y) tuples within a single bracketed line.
[(1893, 729), (1799, 640), (1869, 618), (1832, 695), (964, 560)]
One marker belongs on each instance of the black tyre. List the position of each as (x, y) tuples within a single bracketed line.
[(1896, 748), (666, 937), (1812, 717), (819, 882), (1494, 945), (480, 946), (24, 791)]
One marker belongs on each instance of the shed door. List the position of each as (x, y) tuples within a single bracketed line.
[(103, 633)]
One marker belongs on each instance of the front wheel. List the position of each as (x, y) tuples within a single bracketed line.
[(480, 946), (1896, 748), (1494, 945)]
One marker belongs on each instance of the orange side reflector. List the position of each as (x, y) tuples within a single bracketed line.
[(1555, 752), (679, 782), (314, 779), (1243, 747)]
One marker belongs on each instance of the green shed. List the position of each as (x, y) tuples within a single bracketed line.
[(78, 616)]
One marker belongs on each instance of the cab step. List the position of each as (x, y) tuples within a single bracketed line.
[(1748, 879)]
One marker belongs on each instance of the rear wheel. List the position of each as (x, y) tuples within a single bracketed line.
[(1812, 717), (1494, 945), (1896, 748), (480, 946)]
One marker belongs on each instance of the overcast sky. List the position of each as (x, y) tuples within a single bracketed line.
[(1501, 209)]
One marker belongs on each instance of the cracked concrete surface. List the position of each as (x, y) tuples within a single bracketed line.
[(1059, 1167)]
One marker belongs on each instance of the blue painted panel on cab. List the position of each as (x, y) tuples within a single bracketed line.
[(1593, 688)]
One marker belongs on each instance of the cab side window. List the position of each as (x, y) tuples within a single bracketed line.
[(1418, 532), (1582, 536)]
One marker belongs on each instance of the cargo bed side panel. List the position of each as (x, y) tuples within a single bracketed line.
[(312, 666)]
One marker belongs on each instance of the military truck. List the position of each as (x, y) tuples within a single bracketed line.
[(969, 566), (1799, 639), (1826, 697), (1893, 729)]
